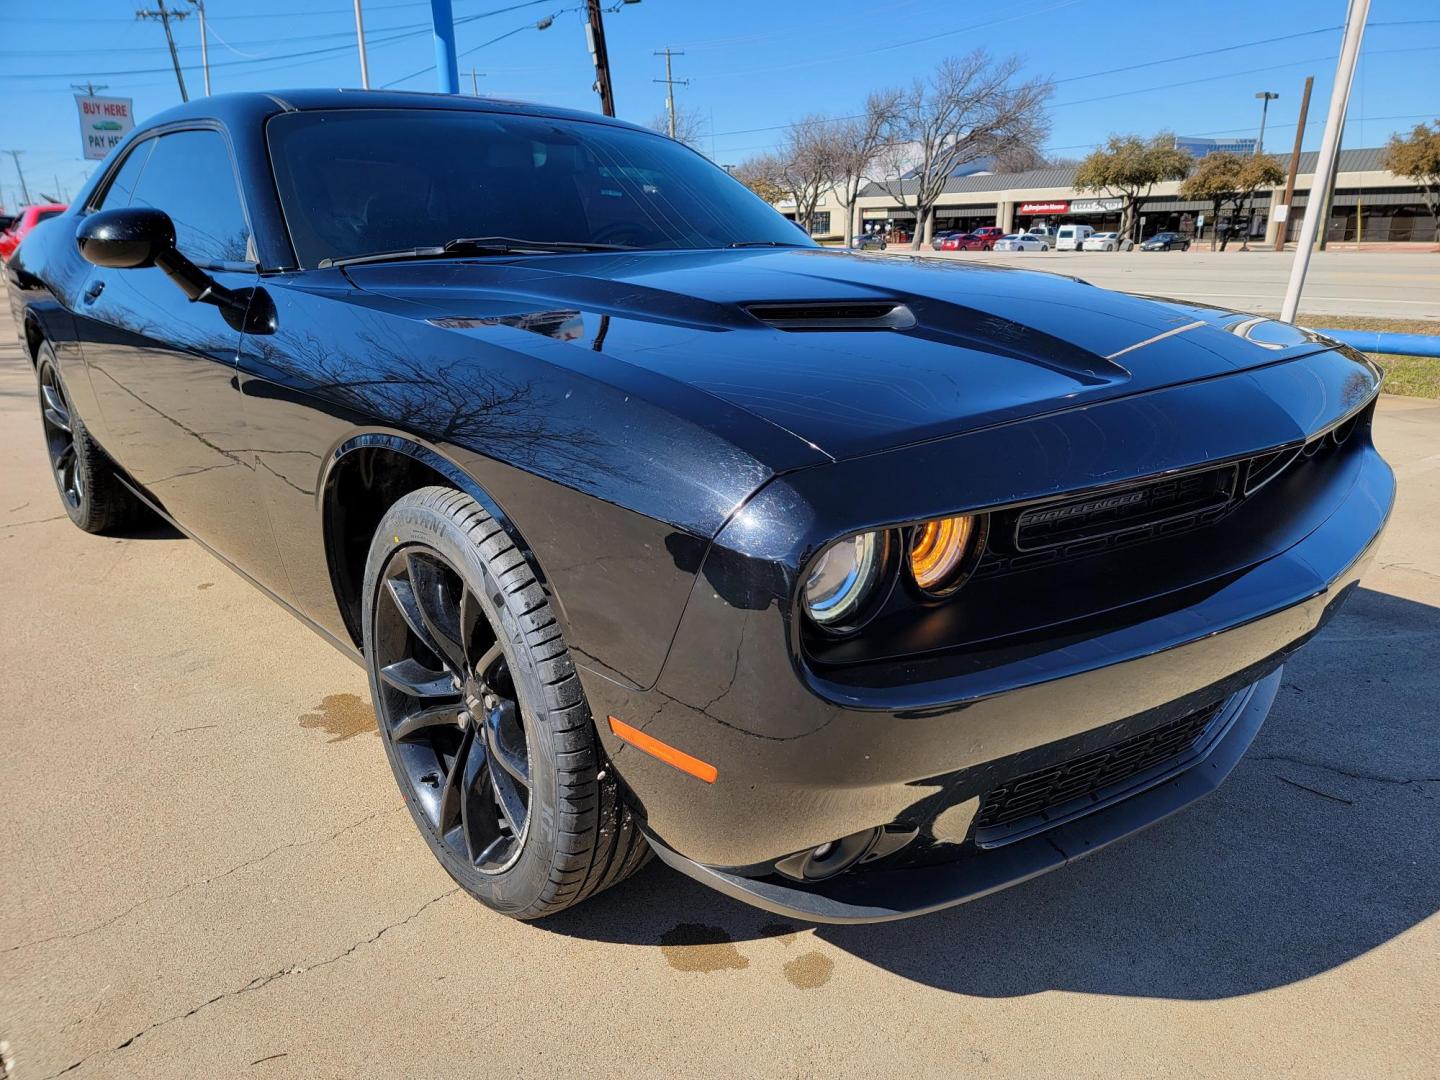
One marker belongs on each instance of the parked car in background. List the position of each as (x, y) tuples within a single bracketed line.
[(870, 241), (26, 220), (937, 242), (1046, 232), (955, 242), (1102, 241), (6, 220), (985, 237), (1022, 242), (1166, 241), (852, 588), (1072, 237)]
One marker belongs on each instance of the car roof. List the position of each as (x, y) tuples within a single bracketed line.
[(260, 104)]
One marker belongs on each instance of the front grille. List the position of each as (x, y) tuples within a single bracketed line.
[(1075, 526), (1046, 797), (1089, 518)]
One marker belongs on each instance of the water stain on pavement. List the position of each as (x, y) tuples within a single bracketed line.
[(809, 971), (342, 716), (205, 585), (696, 947)]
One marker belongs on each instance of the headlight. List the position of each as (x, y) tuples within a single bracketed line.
[(842, 579), (938, 551)]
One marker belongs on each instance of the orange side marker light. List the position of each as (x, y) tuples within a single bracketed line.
[(664, 751)]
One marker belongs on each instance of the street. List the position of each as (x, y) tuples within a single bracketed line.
[(1404, 286), (209, 872)]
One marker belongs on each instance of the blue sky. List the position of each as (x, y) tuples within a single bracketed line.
[(752, 65)]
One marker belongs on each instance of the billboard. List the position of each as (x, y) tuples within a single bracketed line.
[(104, 121)]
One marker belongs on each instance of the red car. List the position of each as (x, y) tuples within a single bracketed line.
[(28, 219), (983, 239)]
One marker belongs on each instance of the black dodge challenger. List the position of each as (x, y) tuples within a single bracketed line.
[(853, 587)]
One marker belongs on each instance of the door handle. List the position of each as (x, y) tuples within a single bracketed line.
[(94, 290)]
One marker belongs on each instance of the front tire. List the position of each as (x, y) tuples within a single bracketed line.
[(93, 497), (482, 715)]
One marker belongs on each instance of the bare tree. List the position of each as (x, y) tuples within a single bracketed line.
[(971, 108), (764, 175), (689, 125), (857, 143), (809, 165)]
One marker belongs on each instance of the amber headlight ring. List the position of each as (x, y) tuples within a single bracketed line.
[(941, 554)]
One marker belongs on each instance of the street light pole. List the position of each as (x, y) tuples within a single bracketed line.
[(204, 45), (1265, 96), (1355, 18), (447, 68), (360, 41)]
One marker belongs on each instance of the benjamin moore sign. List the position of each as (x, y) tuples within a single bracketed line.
[(104, 121)]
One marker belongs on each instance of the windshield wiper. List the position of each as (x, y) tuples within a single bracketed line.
[(477, 245)]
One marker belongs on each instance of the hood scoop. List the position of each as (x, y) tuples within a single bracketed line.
[(835, 315)]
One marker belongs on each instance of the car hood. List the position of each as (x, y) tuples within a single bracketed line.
[(963, 346)]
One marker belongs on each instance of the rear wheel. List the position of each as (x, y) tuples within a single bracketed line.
[(95, 500), (482, 715)]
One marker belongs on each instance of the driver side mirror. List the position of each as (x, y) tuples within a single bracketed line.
[(136, 237), (129, 238)]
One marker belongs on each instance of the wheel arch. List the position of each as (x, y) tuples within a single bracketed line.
[(363, 477)]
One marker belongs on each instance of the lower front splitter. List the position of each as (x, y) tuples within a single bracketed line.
[(882, 895)]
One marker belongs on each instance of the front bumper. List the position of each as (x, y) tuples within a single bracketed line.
[(883, 895), (804, 759)]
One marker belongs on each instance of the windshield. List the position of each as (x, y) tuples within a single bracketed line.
[(357, 182)]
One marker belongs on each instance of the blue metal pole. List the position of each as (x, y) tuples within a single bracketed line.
[(1374, 341), (445, 64)]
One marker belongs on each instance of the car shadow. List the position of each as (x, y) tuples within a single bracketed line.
[(1319, 848)]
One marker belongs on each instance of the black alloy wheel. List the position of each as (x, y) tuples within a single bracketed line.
[(450, 709), (60, 436), (482, 715), (93, 497)]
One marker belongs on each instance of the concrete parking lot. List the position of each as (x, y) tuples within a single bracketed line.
[(1398, 285), (208, 870)]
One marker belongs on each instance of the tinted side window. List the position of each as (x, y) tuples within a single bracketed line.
[(122, 186), (189, 177)]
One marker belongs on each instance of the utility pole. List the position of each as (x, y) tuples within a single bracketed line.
[(1265, 96), (360, 41), (89, 87), (204, 45), (595, 39), (1355, 17), (1294, 163), (670, 83), (164, 14), (475, 81), (24, 188)]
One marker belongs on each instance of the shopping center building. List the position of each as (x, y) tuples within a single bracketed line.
[(1383, 206)]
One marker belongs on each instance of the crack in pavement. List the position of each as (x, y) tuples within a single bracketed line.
[(32, 521), (86, 931), (1373, 777), (259, 982)]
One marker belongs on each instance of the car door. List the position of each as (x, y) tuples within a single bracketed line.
[(163, 368)]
